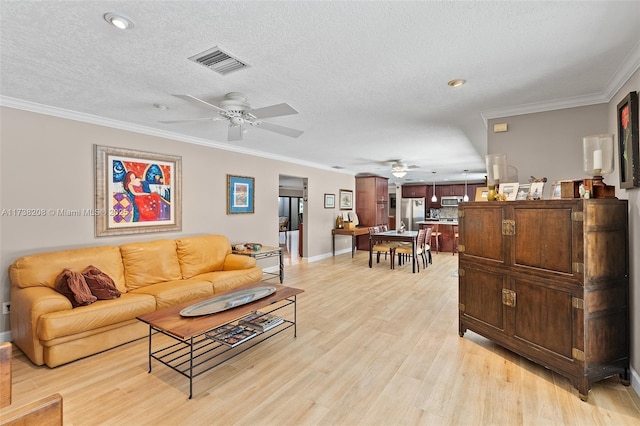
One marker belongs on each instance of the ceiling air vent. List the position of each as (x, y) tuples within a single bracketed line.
[(219, 61)]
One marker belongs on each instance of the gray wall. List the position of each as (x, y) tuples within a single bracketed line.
[(550, 144), (47, 162)]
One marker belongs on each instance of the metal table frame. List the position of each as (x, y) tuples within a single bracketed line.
[(198, 354), (264, 253)]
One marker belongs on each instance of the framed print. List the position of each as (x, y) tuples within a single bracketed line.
[(535, 192), (628, 145), (240, 194), (523, 191), (556, 190), (346, 199), (329, 201), (136, 192), (482, 193), (510, 190)]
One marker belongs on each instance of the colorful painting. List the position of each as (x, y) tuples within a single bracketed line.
[(628, 143), (136, 192), (240, 194)]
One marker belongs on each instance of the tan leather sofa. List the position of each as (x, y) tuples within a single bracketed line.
[(150, 275)]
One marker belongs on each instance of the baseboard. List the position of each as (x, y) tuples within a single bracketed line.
[(5, 336), (635, 381)]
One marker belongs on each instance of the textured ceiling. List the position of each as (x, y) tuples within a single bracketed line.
[(369, 79)]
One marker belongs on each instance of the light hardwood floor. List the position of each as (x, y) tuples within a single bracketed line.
[(374, 347)]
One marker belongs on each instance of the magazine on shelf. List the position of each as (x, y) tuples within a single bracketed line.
[(261, 321), (232, 335)]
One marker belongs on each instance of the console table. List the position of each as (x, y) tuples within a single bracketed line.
[(354, 237), (266, 252)]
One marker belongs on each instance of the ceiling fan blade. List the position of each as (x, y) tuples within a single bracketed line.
[(273, 111), (191, 120), (193, 98), (235, 133), (287, 131)]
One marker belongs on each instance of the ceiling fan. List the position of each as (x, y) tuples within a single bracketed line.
[(235, 109), (399, 168)]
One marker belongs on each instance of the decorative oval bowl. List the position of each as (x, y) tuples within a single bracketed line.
[(228, 301)]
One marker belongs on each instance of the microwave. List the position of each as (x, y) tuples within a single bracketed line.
[(450, 201)]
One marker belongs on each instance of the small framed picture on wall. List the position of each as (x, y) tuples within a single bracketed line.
[(329, 201)]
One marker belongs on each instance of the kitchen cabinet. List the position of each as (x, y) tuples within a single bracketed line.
[(414, 191), (372, 204), (549, 280)]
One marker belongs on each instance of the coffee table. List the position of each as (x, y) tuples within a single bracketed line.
[(191, 353)]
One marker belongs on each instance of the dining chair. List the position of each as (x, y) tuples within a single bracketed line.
[(454, 246), (406, 250), (386, 247), (435, 236)]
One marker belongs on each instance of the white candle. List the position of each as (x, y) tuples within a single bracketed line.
[(597, 159), (496, 172)]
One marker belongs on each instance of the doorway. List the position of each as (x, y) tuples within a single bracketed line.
[(291, 206)]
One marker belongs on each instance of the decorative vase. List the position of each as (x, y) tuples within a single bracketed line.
[(491, 195)]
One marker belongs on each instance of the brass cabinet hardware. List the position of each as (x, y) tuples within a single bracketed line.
[(577, 216), (508, 227), (461, 272), (577, 354), (509, 297), (460, 248), (578, 268), (577, 303), (461, 307)]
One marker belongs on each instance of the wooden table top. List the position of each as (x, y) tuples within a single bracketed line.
[(169, 319), (354, 231)]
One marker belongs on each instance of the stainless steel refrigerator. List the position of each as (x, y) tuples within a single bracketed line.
[(411, 211)]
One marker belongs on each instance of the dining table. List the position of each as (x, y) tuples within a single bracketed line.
[(395, 235)]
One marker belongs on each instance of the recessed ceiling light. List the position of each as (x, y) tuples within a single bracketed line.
[(118, 21), (457, 82), (160, 106)]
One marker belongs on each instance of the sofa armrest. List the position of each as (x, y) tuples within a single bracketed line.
[(234, 262), (27, 306)]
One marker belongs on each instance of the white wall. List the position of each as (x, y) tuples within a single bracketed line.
[(48, 162)]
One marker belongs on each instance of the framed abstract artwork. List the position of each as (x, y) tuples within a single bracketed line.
[(346, 199), (136, 192), (628, 144), (240, 194)]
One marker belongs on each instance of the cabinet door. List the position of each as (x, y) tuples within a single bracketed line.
[(480, 233), (480, 296), (544, 238), (544, 317), (382, 213), (414, 191), (382, 190)]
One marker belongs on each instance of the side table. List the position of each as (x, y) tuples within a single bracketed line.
[(264, 253)]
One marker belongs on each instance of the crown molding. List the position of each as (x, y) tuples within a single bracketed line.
[(20, 104), (624, 72)]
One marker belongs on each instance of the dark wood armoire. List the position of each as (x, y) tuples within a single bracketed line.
[(549, 280), (372, 204)]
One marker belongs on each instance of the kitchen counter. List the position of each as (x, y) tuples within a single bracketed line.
[(437, 222)]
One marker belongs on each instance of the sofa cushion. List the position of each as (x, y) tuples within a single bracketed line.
[(102, 313), (226, 280), (173, 292), (100, 284), (202, 254), (150, 263), (36, 270), (73, 286)]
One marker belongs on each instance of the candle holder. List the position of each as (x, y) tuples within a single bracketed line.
[(496, 170), (598, 162)]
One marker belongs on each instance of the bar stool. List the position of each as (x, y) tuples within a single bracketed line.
[(454, 246), (435, 235)]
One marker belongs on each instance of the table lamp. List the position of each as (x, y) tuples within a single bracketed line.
[(598, 162), (496, 170)]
